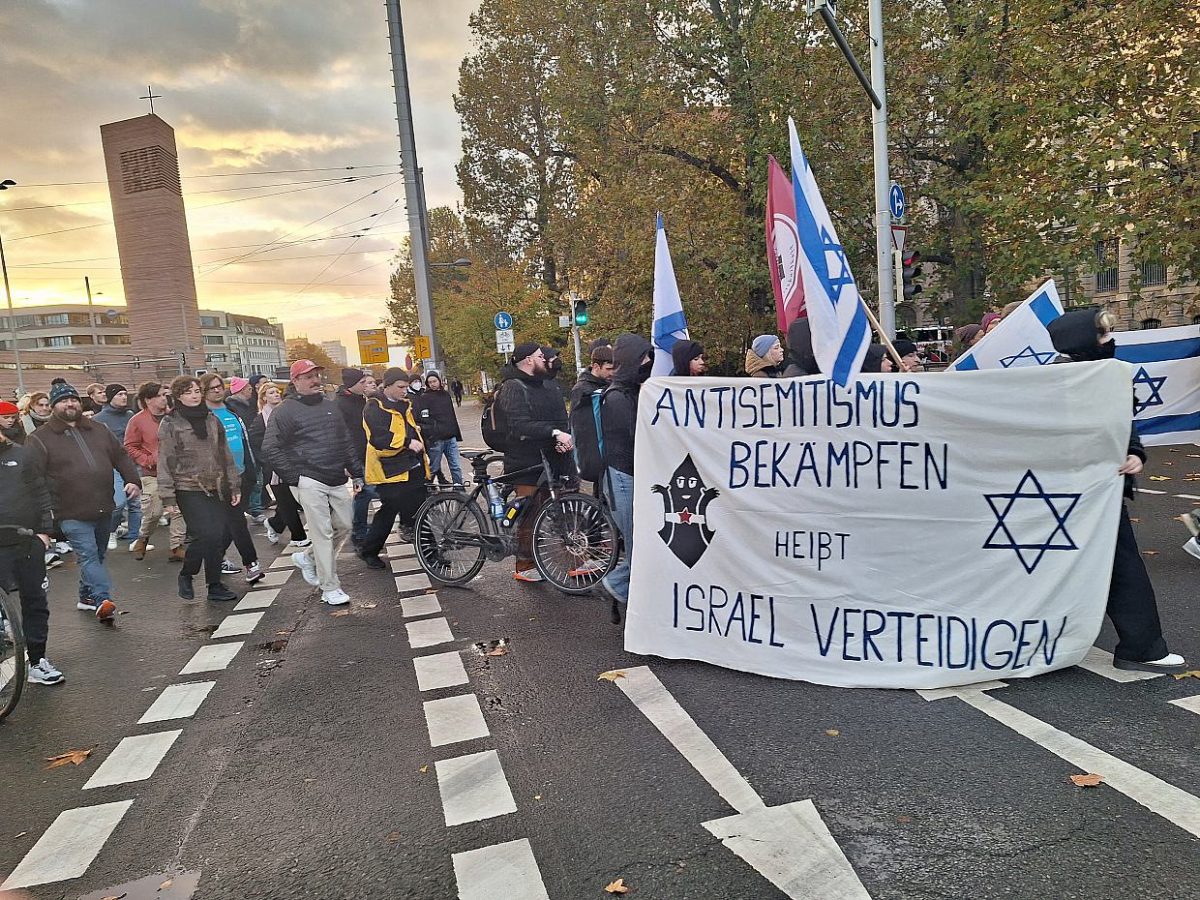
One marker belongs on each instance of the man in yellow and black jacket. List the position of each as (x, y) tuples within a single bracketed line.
[(396, 466)]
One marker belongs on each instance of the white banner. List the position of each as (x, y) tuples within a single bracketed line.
[(1166, 382), (911, 531)]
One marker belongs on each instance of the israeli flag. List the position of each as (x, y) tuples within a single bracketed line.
[(1166, 383), (1021, 339), (670, 324), (840, 330)]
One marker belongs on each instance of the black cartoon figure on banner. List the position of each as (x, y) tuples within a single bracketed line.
[(685, 523)]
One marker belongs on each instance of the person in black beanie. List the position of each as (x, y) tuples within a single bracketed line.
[(357, 385), (688, 358), (910, 360)]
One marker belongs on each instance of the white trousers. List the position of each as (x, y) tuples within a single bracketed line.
[(328, 513)]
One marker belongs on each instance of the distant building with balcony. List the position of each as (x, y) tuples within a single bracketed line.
[(336, 351)]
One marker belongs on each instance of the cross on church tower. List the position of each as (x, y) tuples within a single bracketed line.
[(151, 96)]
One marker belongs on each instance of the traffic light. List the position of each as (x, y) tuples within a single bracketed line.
[(581, 313), (912, 271)]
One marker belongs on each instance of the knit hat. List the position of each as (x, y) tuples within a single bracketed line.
[(904, 346), (525, 350), (762, 344), (256, 379), (237, 383), (61, 392), (391, 376), (8, 409), (110, 391), (351, 377)]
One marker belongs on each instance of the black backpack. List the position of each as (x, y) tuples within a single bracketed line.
[(492, 424), (588, 435)]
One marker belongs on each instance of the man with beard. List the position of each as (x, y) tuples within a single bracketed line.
[(77, 457)]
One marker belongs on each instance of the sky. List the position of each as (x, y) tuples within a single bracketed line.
[(270, 100)]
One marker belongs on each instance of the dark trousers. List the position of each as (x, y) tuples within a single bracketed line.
[(236, 530), (538, 496), (399, 500), (1131, 602), (23, 569), (362, 509), (287, 513), (207, 520)]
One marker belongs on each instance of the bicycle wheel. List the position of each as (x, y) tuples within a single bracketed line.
[(14, 664), (574, 542), (447, 536)]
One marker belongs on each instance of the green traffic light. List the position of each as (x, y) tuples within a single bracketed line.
[(581, 313)]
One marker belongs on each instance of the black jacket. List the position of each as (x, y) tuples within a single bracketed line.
[(800, 359), (307, 436), (435, 414), (352, 407), (618, 411), (587, 385), (243, 409), (532, 409), (682, 354), (24, 496)]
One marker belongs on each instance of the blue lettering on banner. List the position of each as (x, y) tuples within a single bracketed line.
[(747, 617), (861, 465)]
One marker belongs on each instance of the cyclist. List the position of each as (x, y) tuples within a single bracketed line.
[(25, 503)]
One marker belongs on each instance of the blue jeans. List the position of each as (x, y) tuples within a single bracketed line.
[(256, 497), (132, 504), (619, 488), (89, 540), (449, 449), (362, 507)]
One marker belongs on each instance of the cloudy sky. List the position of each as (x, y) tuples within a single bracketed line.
[(270, 101)]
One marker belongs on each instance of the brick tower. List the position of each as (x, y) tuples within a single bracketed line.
[(152, 240)]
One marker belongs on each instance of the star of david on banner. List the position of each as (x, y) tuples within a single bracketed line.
[(1039, 520), (1154, 384), (1041, 359)]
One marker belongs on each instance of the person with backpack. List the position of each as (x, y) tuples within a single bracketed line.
[(585, 412), (529, 419)]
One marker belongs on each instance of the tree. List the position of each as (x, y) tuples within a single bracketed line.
[(303, 349)]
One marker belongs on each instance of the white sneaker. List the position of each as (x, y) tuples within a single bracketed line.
[(122, 531), (335, 598), (1171, 664), (307, 568), (61, 547), (304, 544), (229, 568), (45, 673), (133, 547), (112, 542), (86, 605), (1192, 547), (164, 521), (272, 535)]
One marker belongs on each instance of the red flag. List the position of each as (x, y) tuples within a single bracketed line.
[(783, 247)]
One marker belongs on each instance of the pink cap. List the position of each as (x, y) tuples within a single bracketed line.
[(303, 367), (237, 383)]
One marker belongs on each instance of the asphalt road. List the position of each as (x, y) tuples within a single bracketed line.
[(310, 769)]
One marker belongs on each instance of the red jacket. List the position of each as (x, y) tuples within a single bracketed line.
[(141, 442)]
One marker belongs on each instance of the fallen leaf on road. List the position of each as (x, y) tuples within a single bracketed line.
[(832, 732), (537, 796), (423, 769), (904, 820), (338, 613), (1159, 478), (617, 887), (72, 757), (166, 884), (393, 837), (367, 605), (1089, 780), (1192, 673), (115, 897), (611, 675), (499, 651), (1149, 553)]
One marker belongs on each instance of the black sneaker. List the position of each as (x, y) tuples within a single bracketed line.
[(220, 592), (186, 591), (372, 560)]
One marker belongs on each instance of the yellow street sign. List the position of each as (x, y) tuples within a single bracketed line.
[(421, 347), (373, 346)]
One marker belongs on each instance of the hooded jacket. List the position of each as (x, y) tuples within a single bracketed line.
[(352, 406), (618, 412), (873, 360), (532, 409), (682, 355), (77, 464), (435, 414), (800, 360), (390, 428), (24, 497)]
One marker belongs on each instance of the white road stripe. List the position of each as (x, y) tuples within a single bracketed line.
[(412, 583), (1148, 491), (501, 870), (405, 566), (473, 788), (177, 701), (1188, 496), (452, 720), (282, 561), (402, 551), (440, 670), (275, 578), (656, 703), (68, 846), (8, 669), (393, 539), (1191, 704), (235, 625), (257, 600), (133, 759), (1163, 799), (424, 605), (212, 658), (428, 633), (1100, 662), (942, 693)]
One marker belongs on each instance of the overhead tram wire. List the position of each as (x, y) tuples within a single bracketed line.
[(228, 174)]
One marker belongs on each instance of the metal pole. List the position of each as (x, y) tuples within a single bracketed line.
[(883, 215), (579, 364), (87, 286), (12, 323), (418, 239)]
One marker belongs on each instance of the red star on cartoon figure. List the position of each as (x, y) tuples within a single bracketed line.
[(685, 517)]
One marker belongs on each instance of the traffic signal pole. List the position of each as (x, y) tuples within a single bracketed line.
[(883, 214)]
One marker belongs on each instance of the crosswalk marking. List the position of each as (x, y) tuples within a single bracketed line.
[(412, 583), (501, 870), (282, 561), (474, 788), (212, 658), (1191, 704), (133, 759), (398, 553), (424, 605), (68, 846), (177, 701), (452, 720), (257, 600), (1099, 662), (274, 578), (440, 670), (428, 632), (237, 624)]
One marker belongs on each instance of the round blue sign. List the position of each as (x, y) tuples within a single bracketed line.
[(897, 202), (502, 321)]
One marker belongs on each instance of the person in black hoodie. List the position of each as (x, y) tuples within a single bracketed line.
[(25, 503), (633, 359), (357, 386), (800, 360), (687, 358), (1083, 335), (434, 409)]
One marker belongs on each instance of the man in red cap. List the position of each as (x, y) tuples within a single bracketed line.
[(309, 448)]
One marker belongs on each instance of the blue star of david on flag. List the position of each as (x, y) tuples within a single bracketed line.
[(1155, 385), (1041, 359), (1030, 521), (838, 267)]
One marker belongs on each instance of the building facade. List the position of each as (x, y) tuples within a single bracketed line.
[(336, 351), (242, 345)]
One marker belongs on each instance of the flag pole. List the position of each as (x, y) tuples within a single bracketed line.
[(883, 337)]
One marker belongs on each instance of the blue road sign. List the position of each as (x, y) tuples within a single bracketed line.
[(502, 321), (897, 200)]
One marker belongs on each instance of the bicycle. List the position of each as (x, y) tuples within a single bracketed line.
[(575, 541), (14, 663)]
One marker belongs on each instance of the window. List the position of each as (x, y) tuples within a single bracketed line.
[(1154, 271), (210, 322), (214, 339), (114, 339), (1147, 324), (61, 341), (1108, 265), (55, 319)]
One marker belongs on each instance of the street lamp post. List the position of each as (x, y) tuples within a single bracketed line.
[(12, 319)]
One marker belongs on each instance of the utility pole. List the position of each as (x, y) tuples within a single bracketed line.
[(883, 215), (87, 286), (418, 238), (12, 324)]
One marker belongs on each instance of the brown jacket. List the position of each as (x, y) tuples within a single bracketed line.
[(186, 463), (78, 464)]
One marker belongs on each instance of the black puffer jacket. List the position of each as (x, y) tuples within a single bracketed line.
[(532, 409), (307, 436), (352, 406), (24, 496), (435, 415), (618, 411)]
